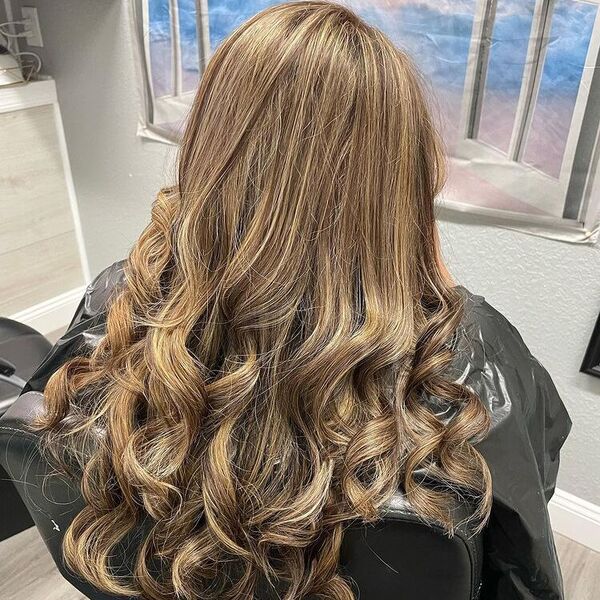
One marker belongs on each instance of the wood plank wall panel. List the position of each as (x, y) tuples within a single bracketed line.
[(38, 272), (39, 255)]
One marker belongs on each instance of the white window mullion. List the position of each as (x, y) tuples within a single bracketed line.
[(141, 9), (203, 32), (532, 76), (481, 37), (175, 48), (582, 152)]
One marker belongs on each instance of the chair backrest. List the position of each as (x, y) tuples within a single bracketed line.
[(22, 349), (405, 558), (401, 557)]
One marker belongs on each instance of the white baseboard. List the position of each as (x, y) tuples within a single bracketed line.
[(576, 519), (50, 315)]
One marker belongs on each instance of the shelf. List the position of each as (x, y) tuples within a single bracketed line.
[(27, 95)]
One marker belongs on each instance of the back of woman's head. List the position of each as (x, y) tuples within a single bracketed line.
[(263, 374)]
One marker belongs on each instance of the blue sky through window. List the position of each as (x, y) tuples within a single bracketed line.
[(437, 34)]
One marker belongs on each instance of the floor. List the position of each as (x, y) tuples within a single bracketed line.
[(581, 570), (28, 573)]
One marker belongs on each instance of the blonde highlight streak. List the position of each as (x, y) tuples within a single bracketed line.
[(261, 382)]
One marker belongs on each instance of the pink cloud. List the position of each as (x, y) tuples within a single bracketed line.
[(446, 6), (507, 7)]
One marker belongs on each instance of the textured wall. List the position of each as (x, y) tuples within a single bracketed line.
[(549, 290)]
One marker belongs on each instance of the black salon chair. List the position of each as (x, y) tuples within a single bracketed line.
[(22, 349), (401, 558)]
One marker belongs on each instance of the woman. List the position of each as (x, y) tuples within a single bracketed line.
[(283, 349)]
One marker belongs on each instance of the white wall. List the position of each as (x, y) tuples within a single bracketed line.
[(549, 290)]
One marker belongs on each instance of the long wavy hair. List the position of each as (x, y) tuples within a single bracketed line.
[(284, 316)]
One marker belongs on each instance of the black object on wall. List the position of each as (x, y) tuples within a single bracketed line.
[(591, 360)]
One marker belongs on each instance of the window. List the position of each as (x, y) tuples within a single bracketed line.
[(529, 121), (173, 46), (515, 84), (175, 39)]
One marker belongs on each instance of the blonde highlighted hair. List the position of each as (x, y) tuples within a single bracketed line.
[(262, 378)]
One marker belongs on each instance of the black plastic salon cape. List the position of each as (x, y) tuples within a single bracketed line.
[(515, 556)]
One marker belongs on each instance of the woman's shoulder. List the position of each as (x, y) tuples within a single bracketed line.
[(87, 326), (102, 287), (487, 328), (492, 357), (481, 312)]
